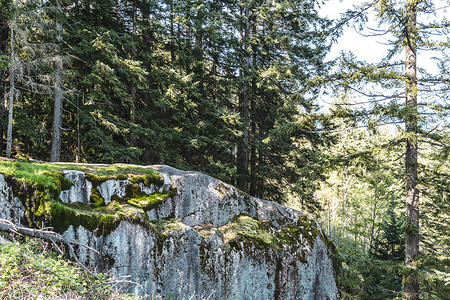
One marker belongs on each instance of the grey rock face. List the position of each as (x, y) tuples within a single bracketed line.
[(11, 208), (80, 190), (208, 241), (113, 187)]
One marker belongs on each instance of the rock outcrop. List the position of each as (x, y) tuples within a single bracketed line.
[(189, 236)]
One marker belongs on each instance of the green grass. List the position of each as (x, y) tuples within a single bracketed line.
[(31, 271)]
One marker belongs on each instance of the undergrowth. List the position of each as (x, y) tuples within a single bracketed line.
[(31, 271)]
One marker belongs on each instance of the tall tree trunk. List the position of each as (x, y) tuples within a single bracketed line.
[(253, 145), (374, 214), (4, 34), (242, 151), (78, 154), (329, 218), (411, 285), (11, 95), (172, 32), (198, 55), (55, 154), (253, 158), (132, 140)]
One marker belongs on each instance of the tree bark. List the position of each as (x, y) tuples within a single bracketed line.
[(4, 35), (374, 215), (172, 32), (11, 96), (133, 84), (411, 285), (58, 106), (253, 126)]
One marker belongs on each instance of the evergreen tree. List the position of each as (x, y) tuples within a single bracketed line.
[(55, 153), (6, 13), (205, 85), (390, 243), (400, 81)]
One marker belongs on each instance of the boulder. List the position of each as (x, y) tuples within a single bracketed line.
[(191, 236)]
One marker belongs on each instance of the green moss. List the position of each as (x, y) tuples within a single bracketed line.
[(164, 228), (100, 220), (96, 198), (61, 182), (289, 234), (122, 177), (97, 180), (136, 197), (245, 230), (248, 230), (148, 179), (148, 202), (42, 173), (305, 228), (33, 198), (133, 191)]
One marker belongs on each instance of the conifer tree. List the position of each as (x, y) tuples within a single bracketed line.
[(12, 90), (403, 96), (55, 154), (6, 11)]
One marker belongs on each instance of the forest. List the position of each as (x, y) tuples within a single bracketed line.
[(231, 88)]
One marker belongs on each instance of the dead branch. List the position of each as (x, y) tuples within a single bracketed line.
[(49, 236)]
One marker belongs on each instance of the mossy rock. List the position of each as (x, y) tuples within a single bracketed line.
[(305, 228), (136, 197), (148, 202), (97, 180), (96, 198), (148, 179), (33, 198), (38, 187), (245, 229), (101, 220)]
